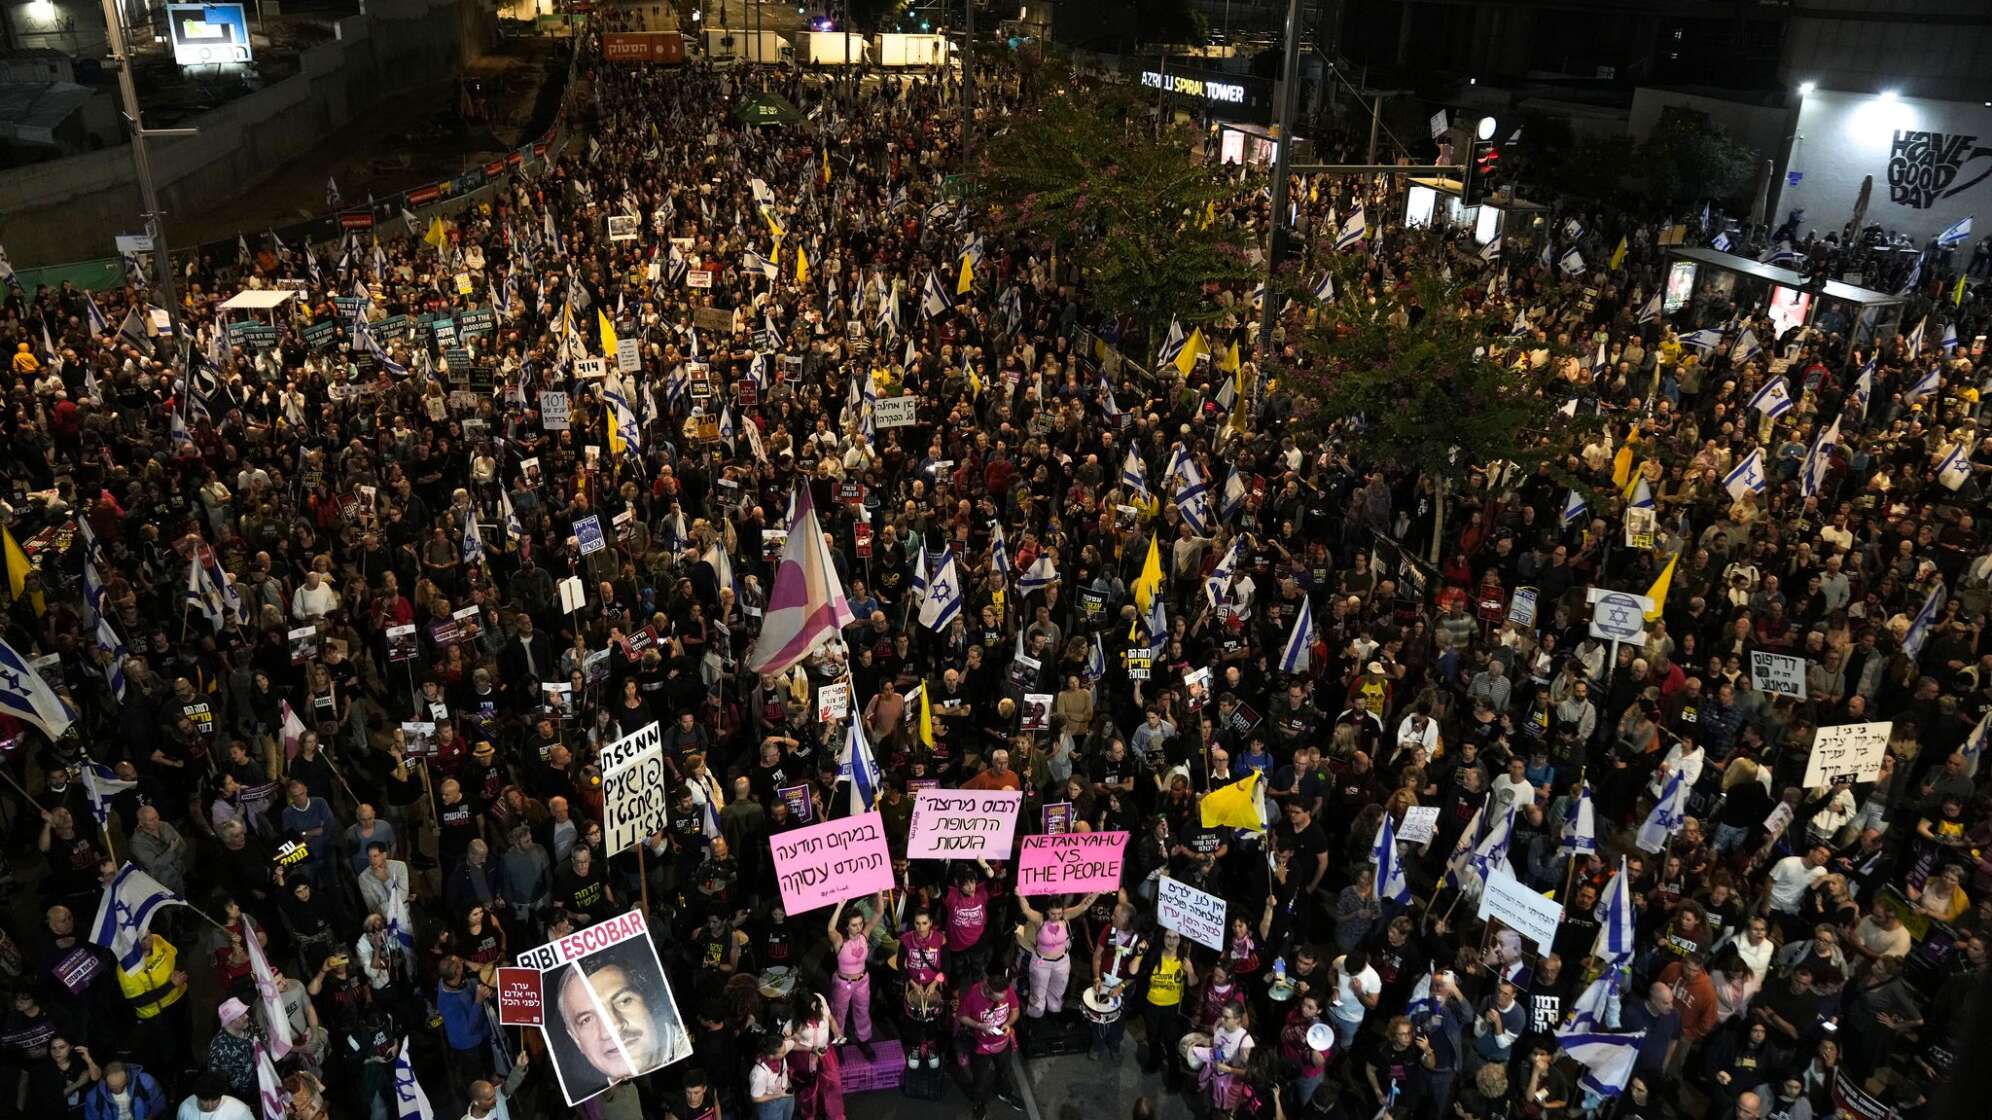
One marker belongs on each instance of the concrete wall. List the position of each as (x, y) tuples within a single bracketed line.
[(1922, 48), (68, 209), (1931, 162)]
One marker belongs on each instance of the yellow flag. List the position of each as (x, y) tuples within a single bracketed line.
[(974, 382), (1957, 293), (1618, 255), (1209, 215), (826, 167), (927, 717), (17, 570), (1234, 806), (967, 279), (775, 227), (1658, 592), (437, 237), (1150, 578), (1186, 358), (1231, 364), (801, 265), (1622, 465), (616, 443), (608, 330)]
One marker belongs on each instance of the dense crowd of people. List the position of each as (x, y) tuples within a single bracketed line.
[(343, 647)]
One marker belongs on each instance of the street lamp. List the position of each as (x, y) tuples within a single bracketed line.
[(1805, 88)]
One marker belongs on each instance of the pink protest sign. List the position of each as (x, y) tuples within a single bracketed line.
[(832, 861), (1071, 863)]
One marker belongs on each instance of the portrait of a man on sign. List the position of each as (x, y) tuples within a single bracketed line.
[(610, 1017)]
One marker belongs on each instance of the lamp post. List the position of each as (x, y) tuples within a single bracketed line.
[(155, 218)]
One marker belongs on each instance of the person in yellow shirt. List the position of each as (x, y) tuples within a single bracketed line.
[(25, 361), (1171, 975)]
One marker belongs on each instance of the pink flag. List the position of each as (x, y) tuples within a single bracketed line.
[(293, 730), (807, 606), (276, 1021)]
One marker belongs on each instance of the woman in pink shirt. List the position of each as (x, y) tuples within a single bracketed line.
[(1048, 938), (967, 906), (920, 959), (850, 983)]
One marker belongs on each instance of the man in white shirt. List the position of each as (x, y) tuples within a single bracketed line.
[(1789, 879), (1419, 730), (210, 1101), (1357, 987), (313, 599), (1512, 789)]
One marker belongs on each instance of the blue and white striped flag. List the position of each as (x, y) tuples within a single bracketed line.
[(1915, 278), (25, 696), (1721, 243), (1133, 474), (1491, 251), (1774, 398), (1193, 497), (1955, 233), (1818, 460), (858, 766), (1617, 940), (1747, 476), (410, 1102), (1746, 347), (1954, 470), (100, 784), (1172, 343), (1571, 262), (1929, 383), (1919, 628), (920, 564), (124, 917), (473, 540), (1573, 508), (1390, 881), (1863, 389), (943, 600), (1324, 292), (1607, 1058), (1651, 311), (1580, 825), (999, 552), (1668, 814), (1492, 851), (1296, 655), (1702, 339), (1949, 341), (1217, 585), (1235, 492), (1040, 574), (1353, 230), (1974, 744)]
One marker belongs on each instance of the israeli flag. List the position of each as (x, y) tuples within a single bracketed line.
[(1492, 851), (124, 917), (1954, 470), (1217, 585), (1491, 251), (1040, 574), (1914, 279), (1949, 341), (25, 696), (1925, 385), (109, 642), (1172, 343), (1353, 230), (1747, 476), (1571, 262), (100, 784), (473, 541), (934, 299), (943, 596), (1580, 825), (1721, 243), (365, 337), (920, 565), (1193, 497), (1607, 1058), (399, 922), (999, 552), (1746, 347), (859, 767), (410, 1102), (1651, 311), (1234, 495), (1863, 388), (1702, 339), (1642, 495), (1390, 881), (1974, 744), (1599, 363), (1295, 657), (1324, 292), (1615, 943), (1134, 474), (1774, 398), (1573, 508), (1668, 814), (1812, 469), (1955, 233), (726, 429), (1919, 628)]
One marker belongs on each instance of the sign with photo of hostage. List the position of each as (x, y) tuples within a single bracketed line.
[(608, 1008)]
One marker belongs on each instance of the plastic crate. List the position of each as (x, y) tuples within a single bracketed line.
[(882, 1072)]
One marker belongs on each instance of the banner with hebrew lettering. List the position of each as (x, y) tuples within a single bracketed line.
[(832, 861), (963, 824)]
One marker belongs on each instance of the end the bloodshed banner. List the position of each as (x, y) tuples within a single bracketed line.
[(1072, 863), (963, 824), (832, 861)]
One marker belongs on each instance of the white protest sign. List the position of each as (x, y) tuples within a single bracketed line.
[(1419, 823), (833, 702), (633, 784), (1850, 750), (629, 355), (1438, 124), (573, 595), (895, 412), (553, 410), (622, 227), (963, 824), (591, 369), (1524, 909), (1779, 673), (1191, 912)]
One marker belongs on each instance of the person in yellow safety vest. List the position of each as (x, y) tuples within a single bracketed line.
[(152, 991)]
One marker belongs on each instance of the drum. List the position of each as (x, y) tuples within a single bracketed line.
[(1099, 1010), (927, 1014), (778, 982), (1194, 1048)]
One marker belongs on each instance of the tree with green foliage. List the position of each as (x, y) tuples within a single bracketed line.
[(1140, 219), (1687, 160), (1421, 381)]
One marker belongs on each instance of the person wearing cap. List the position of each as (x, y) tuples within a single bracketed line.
[(211, 1100), (232, 1051)]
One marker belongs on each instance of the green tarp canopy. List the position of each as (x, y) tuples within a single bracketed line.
[(766, 108)]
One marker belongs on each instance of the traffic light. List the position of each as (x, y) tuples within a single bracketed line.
[(1484, 168)]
